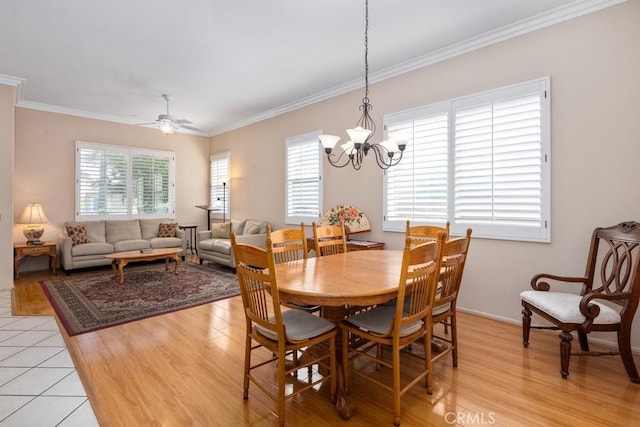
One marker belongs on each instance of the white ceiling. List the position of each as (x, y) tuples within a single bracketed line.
[(229, 63)]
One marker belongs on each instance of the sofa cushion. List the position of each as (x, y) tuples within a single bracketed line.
[(237, 226), (95, 230), (92, 249), (150, 227), (78, 234), (221, 230), (255, 227), (167, 229), (166, 242), (131, 245), (123, 230), (222, 246)]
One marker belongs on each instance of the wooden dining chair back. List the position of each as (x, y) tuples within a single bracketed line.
[(607, 299), (288, 245), (329, 239), (425, 233), (281, 333), (398, 326), (454, 258)]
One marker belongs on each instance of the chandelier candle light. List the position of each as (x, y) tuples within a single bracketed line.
[(34, 217), (387, 153)]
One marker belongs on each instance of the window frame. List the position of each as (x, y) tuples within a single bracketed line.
[(310, 141), (484, 229), (129, 153)]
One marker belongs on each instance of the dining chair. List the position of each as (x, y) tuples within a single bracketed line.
[(397, 326), (454, 257), (606, 301), (287, 245), (279, 332), (329, 239), (425, 233)]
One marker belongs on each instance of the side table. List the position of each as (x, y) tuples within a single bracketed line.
[(22, 250), (191, 229)]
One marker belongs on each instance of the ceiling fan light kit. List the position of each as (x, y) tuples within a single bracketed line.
[(169, 124)]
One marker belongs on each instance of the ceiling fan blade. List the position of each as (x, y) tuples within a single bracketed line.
[(183, 122), (191, 128), (146, 124)]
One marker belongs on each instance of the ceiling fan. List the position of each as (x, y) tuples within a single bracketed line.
[(169, 124)]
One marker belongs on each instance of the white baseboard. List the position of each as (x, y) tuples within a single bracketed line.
[(609, 344)]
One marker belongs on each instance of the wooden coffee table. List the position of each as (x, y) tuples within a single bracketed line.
[(123, 258)]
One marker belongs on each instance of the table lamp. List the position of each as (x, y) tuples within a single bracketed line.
[(34, 217)]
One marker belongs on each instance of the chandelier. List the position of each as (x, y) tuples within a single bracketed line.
[(387, 153)]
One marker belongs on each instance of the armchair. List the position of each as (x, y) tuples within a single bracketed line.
[(608, 298)]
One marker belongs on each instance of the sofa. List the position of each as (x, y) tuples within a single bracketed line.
[(215, 244), (85, 243)]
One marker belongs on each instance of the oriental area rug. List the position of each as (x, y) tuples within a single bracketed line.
[(88, 301)]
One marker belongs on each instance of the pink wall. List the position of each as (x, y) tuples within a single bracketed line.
[(45, 165)]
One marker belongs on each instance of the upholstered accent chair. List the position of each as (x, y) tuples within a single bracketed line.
[(606, 297)]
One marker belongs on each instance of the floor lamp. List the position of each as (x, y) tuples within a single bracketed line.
[(224, 201)]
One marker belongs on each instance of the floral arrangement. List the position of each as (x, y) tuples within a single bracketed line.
[(354, 220)]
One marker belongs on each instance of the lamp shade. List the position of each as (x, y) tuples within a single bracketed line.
[(33, 214)]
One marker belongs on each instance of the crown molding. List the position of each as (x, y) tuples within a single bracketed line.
[(13, 81), (560, 14), (555, 16)]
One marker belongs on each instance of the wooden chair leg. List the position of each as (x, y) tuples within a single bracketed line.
[(454, 340), (584, 342), (624, 346), (565, 353), (526, 326), (281, 391), (247, 368), (396, 386)]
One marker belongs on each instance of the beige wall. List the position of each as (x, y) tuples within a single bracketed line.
[(45, 166), (7, 103), (594, 64)]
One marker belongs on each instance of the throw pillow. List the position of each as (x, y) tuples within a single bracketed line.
[(221, 230), (78, 234), (167, 230), (252, 227)]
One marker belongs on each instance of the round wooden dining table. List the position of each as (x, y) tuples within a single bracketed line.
[(338, 282), (352, 278)]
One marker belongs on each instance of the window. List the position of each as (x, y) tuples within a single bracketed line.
[(479, 161), (219, 190), (303, 178), (126, 182)]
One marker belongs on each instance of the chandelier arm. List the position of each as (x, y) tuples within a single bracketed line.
[(336, 162)]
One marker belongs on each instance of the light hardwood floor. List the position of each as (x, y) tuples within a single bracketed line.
[(185, 369)]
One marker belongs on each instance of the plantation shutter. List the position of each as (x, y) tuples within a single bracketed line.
[(152, 183), (101, 181), (416, 188), (113, 181), (303, 180), (219, 181), (499, 163)]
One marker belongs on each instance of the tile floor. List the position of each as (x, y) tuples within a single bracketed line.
[(39, 385)]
